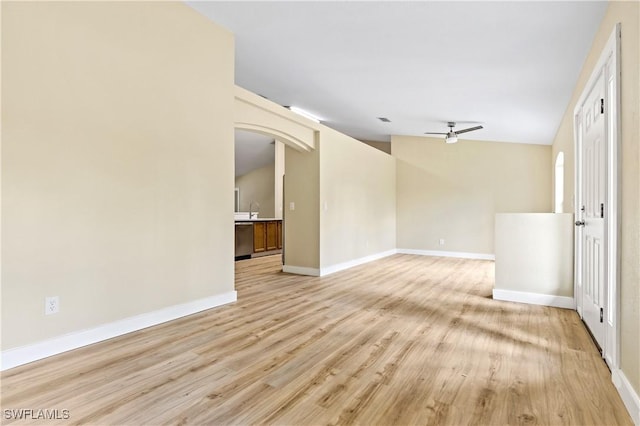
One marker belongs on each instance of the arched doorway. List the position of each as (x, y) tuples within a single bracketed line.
[(263, 118), (259, 171)]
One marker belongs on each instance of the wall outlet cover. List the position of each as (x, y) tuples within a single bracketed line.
[(51, 305)]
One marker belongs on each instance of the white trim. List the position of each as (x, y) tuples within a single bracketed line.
[(350, 264), (29, 353), (577, 185), (457, 254), (627, 393), (611, 301), (614, 212), (314, 272), (301, 270), (534, 298)]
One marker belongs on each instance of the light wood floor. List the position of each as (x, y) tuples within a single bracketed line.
[(401, 341)]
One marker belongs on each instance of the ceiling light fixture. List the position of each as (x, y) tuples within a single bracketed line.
[(304, 113), (451, 137)]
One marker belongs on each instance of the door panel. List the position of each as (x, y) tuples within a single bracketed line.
[(592, 180)]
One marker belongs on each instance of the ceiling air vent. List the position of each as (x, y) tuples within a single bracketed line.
[(384, 119)]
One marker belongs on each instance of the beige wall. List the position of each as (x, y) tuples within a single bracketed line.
[(344, 195), (357, 199), (563, 142), (453, 191), (382, 146), (302, 225), (628, 14), (258, 186), (117, 165)]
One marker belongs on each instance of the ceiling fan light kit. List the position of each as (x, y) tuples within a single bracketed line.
[(452, 136)]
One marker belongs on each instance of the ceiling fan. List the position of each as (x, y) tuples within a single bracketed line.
[(451, 135)]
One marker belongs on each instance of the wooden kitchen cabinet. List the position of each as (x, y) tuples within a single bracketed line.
[(259, 236), (279, 234), (272, 235), (267, 235)]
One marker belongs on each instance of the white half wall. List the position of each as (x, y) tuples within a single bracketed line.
[(534, 253)]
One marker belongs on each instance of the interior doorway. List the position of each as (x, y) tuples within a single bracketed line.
[(596, 130), (259, 166)]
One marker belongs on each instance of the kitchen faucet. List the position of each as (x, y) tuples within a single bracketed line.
[(251, 208)]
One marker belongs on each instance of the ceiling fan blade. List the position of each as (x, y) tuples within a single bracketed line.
[(470, 129), (433, 133)]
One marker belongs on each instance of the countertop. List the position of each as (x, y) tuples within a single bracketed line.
[(260, 219)]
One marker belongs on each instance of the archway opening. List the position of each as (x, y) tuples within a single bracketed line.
[(259, 167)]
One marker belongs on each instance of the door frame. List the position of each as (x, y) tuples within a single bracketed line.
[(609, 63)]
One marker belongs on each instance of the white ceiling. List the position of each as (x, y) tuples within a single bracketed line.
[(510, 66)]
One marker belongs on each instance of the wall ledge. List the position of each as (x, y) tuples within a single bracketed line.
[(29, 353), (629, 396), (534, 298), (455, 254), (350, 264)]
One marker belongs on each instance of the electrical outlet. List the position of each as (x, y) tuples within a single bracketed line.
[(441, 241), (51, 305), (292, 206)]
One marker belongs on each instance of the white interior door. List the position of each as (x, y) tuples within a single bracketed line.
[(590, 225)]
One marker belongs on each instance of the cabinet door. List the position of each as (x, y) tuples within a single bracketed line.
[(279, 234), (259, 237), (272, 235)]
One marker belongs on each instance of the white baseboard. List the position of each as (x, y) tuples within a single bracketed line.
[(315, 272), (627, 393), (457, 254), (534, 298), (350, 264), (301, 270), (29, 353)]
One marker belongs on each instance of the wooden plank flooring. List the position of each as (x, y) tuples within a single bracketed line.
[(405, 340)]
